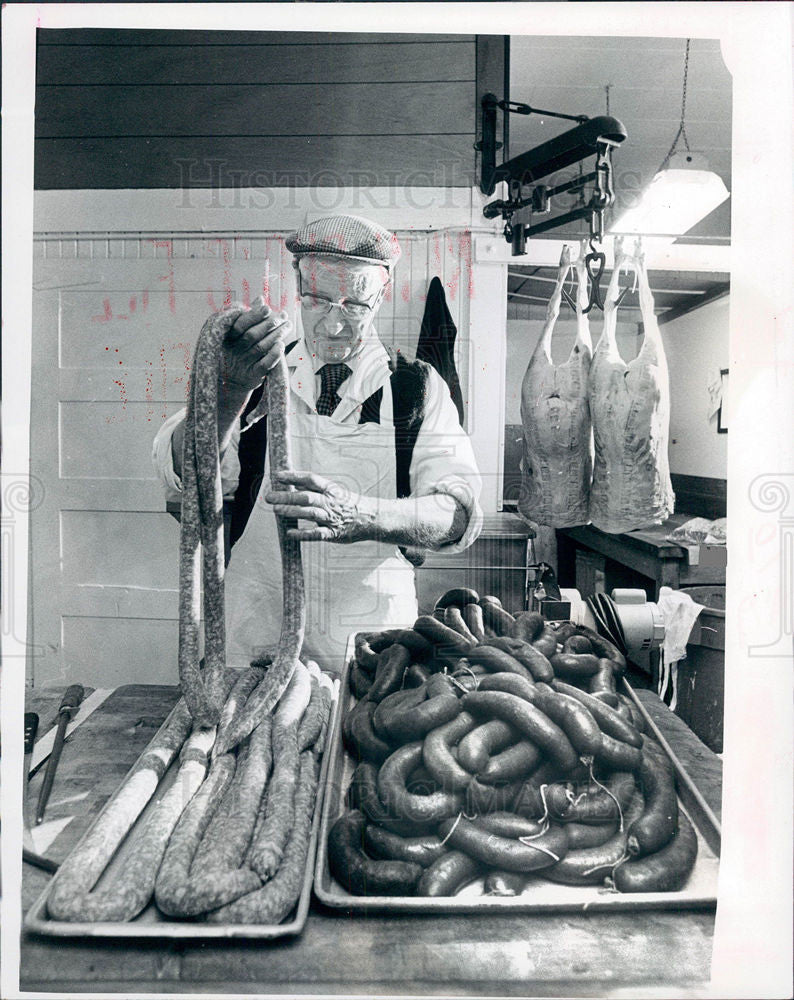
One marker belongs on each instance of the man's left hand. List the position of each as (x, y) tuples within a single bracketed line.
[(338, 514)]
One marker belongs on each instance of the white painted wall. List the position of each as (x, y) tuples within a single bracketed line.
[(696, 345)]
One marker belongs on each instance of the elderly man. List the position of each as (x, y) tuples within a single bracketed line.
[(381, 460)]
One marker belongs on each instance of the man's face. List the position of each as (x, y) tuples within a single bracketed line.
[(335, 334)]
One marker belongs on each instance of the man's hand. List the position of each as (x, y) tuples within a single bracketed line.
[(338, 514), (253, 345)]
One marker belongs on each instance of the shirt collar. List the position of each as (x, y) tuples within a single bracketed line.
[(369, 370)]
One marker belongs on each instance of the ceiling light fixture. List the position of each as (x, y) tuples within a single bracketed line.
[(683, 192)]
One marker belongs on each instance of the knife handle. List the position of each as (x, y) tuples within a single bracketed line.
[(72, 697), (31, 728)]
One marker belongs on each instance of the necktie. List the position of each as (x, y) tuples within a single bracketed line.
[(332, 376)]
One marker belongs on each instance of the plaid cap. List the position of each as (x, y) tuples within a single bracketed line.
[(347, 236)]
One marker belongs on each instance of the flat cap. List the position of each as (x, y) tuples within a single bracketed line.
[(346, 236)]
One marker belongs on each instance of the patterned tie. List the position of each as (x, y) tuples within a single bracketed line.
[(332, 377)]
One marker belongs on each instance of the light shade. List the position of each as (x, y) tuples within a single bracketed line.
[(676, 199)]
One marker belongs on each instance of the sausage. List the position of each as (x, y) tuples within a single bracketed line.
[(528, 719), (667, 870), (454, 620), (572, 717), (314, 718), (388, 846), (495, 617), (273, 829), (577, 644), (392, 663), (535, 662), (604, 648), (476, 747), (399, 802), (530, 800), (357, 873), (516, 761), (360, 738), (511, 683), (546, 642), (273, 901), (472, 615), (574, 665), (591, 865), (363, 795), (482, 798), (366, 657), (359, 681), (416, 644), (448, 874), (563, 631), (179, 892), (607, 718), (583, 835), (498, 661), (657, 824), (527, 626), (416, 675), (201, 542), (499, 883), (226, 839), (594, 805), (437, 755), (603, 680), (446, 640), (508, 824), (617, 755), (635, 716), (407, 722), (243, 685), (71, 897), (410, 697), (272, 686), (460, 596), (503, 852)]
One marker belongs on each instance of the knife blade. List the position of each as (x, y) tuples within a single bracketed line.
[(69, 705), (31, 728)]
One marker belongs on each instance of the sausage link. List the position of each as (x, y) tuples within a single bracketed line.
[(528, 719), (360, 738), (392, 664), (389, 846), (527, 626), (454, 620), (496, 618), (667, 870), (359, 874), (399, 802), (503, 852), (450, 873), (363, 795), (516, 761), (659, 819), (278, 816), (609, 721), (476, 747), (472, 615), (437, 752), (572, 717), (511, 683)]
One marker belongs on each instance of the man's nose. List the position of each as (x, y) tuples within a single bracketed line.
[(333, 323)]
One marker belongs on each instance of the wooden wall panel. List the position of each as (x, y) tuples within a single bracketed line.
[(127, 109)]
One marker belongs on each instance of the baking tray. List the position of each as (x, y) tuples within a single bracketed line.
[(153, 924), (540, 895)]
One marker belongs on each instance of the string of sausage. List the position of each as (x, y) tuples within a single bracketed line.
[(293, 604), (202, 548)]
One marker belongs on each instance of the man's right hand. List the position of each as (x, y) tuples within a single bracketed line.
[(253, 345)]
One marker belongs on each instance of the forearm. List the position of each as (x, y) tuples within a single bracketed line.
[(231, 402), (426, 522)]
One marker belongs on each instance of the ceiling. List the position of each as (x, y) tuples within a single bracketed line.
[(645, 80)]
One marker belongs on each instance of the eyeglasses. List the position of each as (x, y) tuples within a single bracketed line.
[(348, 307)]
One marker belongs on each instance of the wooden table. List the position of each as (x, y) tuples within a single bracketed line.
[(646, 551), (346, 954)]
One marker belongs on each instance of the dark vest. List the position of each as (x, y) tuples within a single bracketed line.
[(410, 389)]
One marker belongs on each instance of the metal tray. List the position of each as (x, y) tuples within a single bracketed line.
[(151, 923), (540, 895)]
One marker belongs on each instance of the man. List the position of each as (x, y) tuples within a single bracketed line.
[(381, 460)]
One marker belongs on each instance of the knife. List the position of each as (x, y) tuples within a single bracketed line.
[(31, 728), (69, 705)]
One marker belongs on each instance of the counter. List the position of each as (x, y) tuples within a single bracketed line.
[(345, 954)]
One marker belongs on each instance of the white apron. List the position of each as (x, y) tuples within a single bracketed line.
[(352, 587)]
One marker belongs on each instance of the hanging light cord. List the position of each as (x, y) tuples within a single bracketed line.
[(682, 127)]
